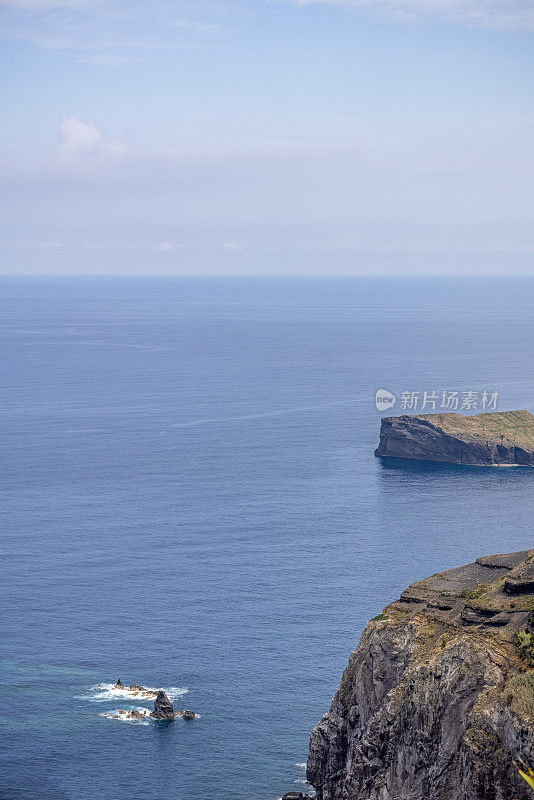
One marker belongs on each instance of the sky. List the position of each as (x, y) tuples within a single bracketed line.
[(267, 136)]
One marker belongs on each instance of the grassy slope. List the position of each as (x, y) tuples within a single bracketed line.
[(514, 426)]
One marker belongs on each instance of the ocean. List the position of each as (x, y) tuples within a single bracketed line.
[(190, 500)]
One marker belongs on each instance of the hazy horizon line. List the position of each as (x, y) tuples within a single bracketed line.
[(381, 275)]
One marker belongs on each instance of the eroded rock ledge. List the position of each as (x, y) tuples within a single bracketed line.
[(438, 698), (503, 437)]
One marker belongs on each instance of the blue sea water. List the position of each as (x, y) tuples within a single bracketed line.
[(190, 500)]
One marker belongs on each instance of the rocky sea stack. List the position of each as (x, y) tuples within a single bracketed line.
[(163, 708), (437, 701), (502, 437)]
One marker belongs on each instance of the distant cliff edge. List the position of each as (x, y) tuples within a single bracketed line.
[(437, 701), (500, 437)]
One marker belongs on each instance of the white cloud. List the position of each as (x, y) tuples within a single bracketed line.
[(49, 245), (232, 246), (498, 14), (167, 247), (112, 246), (78, 138)]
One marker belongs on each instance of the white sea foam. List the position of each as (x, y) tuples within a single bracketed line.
[(82, 430), (120, 714), (106, 692), (174, 692), (301, 765)]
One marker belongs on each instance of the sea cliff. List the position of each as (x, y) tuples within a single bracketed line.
[(437, 700), (503, 437)]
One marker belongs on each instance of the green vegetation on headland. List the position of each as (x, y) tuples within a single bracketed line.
[(513, 426)]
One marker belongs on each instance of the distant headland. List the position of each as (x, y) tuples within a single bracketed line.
[(500, 438)]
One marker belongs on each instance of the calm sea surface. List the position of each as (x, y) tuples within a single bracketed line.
[(190, 500)]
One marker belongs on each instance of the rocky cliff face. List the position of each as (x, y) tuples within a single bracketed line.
[(504, 437), (438, 698)]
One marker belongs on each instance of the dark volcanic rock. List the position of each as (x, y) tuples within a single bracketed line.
[(504, 437), (163, 708), (519, 586), (187, 714), (119, 684), (135, 714), (437, 701)]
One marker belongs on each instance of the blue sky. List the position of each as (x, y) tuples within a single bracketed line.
[(261, 136)]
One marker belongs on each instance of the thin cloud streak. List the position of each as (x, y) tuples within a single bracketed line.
[(111, 32), (504, 15), (108, 31)]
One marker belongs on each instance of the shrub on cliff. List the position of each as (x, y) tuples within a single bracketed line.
[(524, 641)]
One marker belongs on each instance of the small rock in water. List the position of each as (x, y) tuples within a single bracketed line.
[(163, 708), (187, 714), (135, 714), (295, 796), (119, 684)]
